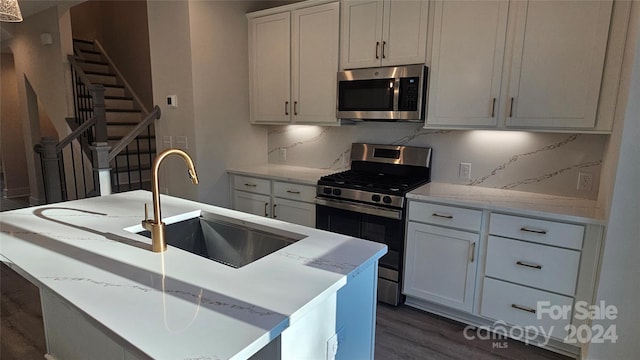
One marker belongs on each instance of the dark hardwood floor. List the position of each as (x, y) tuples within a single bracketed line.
[(407, 333), (401, 333)]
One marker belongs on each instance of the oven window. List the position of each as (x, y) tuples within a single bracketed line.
[(370, 227), (366, 95)]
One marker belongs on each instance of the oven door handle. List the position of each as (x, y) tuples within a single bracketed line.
[(361, 208)]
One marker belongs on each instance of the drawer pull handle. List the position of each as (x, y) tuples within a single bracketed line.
[(293, 192), (523, 308), (442, 216), (266, 211), (541, 232), (529, 265), (473, 251), (274, 211), (250, 185)]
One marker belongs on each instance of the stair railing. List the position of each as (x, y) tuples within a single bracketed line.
[(86, 149)]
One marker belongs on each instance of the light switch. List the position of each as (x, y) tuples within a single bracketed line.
[(172, 101), (181, 142)]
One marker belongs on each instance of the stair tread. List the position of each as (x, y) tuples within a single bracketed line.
[(100, 73), (115, 110), (109, 97), (96, 52), (84, 41), (94, 62), (122, 123), (117, 138)]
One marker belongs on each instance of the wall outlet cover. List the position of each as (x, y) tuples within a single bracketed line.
[(465, 171), (585, 181)]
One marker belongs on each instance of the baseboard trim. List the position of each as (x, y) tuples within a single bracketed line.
[(9, 193)]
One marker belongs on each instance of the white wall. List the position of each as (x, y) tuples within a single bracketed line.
[(619, 283), (47, 71), (199, 53), (225, 138)]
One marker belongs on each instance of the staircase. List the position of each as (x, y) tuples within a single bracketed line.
[(131, 168)]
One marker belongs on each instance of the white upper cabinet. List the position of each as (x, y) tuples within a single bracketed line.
[(293, 58), (558, 57), (466, 64), (269, 59), (315, 44), (383, 33), (553, 53)]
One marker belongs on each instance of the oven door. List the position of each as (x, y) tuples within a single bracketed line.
[(372, 223)]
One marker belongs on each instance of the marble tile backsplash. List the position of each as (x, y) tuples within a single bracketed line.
[(546, 163)]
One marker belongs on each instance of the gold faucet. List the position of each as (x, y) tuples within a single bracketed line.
[(156, 226)]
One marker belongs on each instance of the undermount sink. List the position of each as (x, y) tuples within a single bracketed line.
[(228, 241)]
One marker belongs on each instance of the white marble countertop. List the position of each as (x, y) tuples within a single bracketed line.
[(525, 203), (298, 174), (175, 305)]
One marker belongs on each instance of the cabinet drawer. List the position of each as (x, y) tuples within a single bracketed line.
[(461, 218), (540, 266), (518, 305), (294, 191), (540, 231), (255, 185)]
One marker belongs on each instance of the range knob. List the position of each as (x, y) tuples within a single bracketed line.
[(327, 190), (386, 199), (375, 197), (337, 192)]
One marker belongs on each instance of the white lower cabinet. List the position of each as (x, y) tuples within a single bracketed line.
[(506, 272), (286, 201), (441, 265), (251, 203), (441, 254), (521, 306)]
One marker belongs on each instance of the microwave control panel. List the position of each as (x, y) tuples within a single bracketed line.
[(409, 91)]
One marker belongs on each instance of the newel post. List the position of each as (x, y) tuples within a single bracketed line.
[(99, 112), (51, 169), (101, 169)]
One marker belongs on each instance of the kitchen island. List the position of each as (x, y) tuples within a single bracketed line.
[(106, 295)]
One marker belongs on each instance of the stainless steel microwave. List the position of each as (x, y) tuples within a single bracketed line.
[(385, 93)]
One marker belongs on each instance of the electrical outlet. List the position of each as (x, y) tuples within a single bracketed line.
[(585, 181), (333, 344), (465, 171), (283, 154), (167, 142), (181, 142)]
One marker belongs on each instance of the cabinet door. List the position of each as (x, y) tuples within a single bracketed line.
[(361, 33), (440, 265), (558, 57), (252, 203), (296, 212), (269, 59), (466, 64), (314, 46), (404, 39)]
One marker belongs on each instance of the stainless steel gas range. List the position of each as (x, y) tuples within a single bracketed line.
[(368, 201)]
